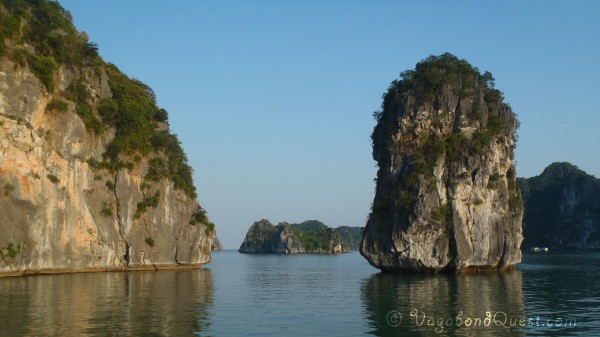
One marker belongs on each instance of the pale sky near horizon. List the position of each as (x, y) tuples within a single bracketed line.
[(272, 100)]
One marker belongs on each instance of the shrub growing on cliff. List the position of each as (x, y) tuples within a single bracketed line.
[(210, 228), (11, 251), (54, 179), (78, 92), (108, 110), (179, 170), (199, 216), (107, 209), (20, 56), (444, 212), (91, 122), (8, 189), (515, 202), (3, 50), (135, 131), (143, 206), (44, 68), (149, 241), (161, 115), (110, 185), (57, 105), (10, 26), (157, 169)]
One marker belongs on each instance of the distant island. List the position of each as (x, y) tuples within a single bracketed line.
[(308, 237), (562, 208)]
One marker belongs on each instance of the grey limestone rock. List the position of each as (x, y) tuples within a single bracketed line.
[(446, 197), (216, 245), (308, 237)]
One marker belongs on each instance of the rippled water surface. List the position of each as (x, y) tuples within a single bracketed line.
[(550, 294)]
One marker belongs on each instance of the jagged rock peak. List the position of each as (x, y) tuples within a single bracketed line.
[(560, 170), (446, 196)]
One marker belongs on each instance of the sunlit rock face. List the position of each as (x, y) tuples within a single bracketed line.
[(446, 197), (73, 198)]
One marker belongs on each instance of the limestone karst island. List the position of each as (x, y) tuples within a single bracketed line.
[(446, 196), (562, 209), (308, 237), (91, 177)]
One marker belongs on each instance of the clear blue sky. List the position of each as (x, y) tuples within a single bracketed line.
[(272, 100)]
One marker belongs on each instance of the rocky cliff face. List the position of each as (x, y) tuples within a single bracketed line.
[(446, 197), (308, 237), (216, 245), (562, 208), (351, 236), (79, 191)]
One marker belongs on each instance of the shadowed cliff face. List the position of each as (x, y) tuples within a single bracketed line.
[(562, 208), (88, 171), (446, 196)]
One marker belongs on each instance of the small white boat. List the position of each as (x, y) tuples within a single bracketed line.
[(540, 249)]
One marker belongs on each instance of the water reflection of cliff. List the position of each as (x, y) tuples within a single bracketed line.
[(444, 305), (174, 303)]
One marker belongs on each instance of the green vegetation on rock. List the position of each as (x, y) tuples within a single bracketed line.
[(200, 217), (47, 28), (107, 209), (310, 236), (51, 42), (8, 189), (314, 235), (149, 241), (44, 67), (104, 156), (444, 144), (54, 179), (478, 106), (351, 236), (57, 105), (148, 202), (9, 252)]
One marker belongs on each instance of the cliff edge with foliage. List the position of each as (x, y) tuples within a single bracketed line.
[(446, 196), (310, 236), (90, 176), (562, 208)]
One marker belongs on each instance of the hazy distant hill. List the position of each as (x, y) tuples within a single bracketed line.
[(562, 208)]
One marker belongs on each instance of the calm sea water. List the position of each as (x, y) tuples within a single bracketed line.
[(551, 294)]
